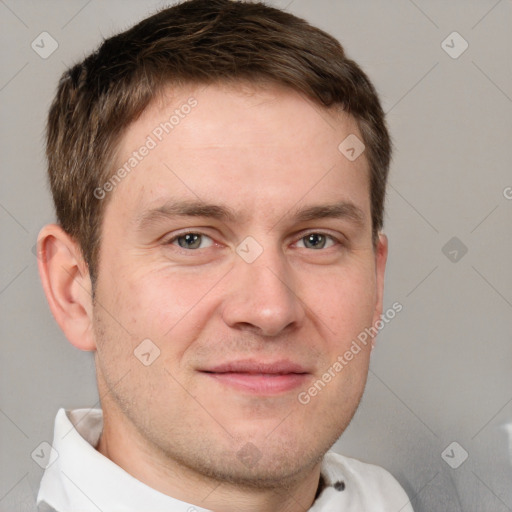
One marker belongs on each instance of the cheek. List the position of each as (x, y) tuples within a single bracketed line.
[(167, 306), (346, 305), (346, 300)]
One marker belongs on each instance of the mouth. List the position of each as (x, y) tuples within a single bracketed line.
[(260, 378)]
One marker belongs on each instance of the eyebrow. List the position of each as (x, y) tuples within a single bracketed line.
[(190, 208), (341, 210), (195, 208)]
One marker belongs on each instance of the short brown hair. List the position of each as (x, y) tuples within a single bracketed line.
[(194, 42)]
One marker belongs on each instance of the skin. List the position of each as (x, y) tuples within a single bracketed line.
[(264, 152)]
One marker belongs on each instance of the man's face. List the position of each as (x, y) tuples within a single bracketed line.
[(250, 302)]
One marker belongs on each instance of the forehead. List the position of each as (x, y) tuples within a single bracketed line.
[(249, 146)]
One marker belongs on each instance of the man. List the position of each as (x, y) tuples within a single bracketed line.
[(218, 173)]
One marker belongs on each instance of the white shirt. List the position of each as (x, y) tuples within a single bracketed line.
[(81, 479)]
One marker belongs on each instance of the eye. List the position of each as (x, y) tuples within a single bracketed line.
[(191, 241), (317, 241)]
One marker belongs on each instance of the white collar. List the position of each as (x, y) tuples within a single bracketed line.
[(81, 479)]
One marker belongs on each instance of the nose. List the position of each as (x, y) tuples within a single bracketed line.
[(262, 297)]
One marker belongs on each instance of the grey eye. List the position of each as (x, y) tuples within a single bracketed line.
[(315, 240), (191, 240)]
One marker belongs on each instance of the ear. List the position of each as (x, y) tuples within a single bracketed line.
[(67, 285), (381, 256)]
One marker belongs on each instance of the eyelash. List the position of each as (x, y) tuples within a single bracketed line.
[(179, 235)]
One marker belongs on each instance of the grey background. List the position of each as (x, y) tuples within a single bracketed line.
[(441, 371)]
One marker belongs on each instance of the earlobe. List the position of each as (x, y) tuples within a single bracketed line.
[(67, 285)]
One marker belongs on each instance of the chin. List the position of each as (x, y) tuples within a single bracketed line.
[(271, 461)]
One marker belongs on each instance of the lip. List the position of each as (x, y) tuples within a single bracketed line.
[(258, 377)]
